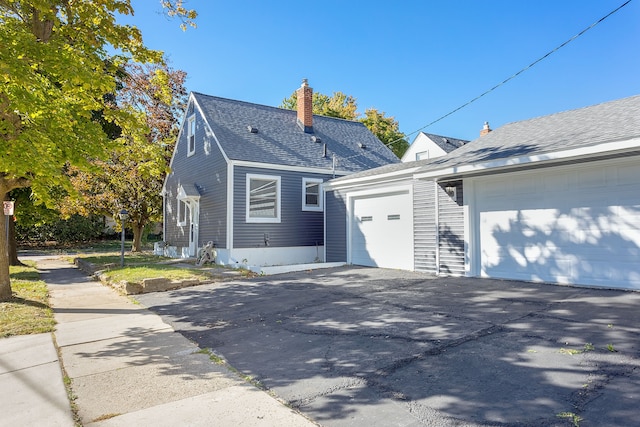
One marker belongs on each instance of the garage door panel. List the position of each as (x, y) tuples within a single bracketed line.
[(587, 233), (382, 231)]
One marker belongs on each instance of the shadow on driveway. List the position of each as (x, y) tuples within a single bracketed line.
[(358, 346)]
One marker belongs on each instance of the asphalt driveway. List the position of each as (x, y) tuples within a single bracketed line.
[(372, 347)]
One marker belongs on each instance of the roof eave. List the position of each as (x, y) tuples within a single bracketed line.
[(585, 152)]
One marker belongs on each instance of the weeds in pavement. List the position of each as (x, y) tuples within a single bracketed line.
[(574, 418), (572, 351)]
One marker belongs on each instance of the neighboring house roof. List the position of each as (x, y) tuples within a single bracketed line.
[(586, 132), (448, 144), (428, 146), (278, 139)]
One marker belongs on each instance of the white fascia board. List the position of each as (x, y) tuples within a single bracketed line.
[(372, 179), (175, 148), (287, 168), (517, 162), (209, 130)]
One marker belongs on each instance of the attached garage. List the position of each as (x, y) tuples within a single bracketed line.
[(553, 199), (571, 224), (381, 230)]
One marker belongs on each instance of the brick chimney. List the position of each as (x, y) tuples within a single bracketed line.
[(305, 107), (485, 129)]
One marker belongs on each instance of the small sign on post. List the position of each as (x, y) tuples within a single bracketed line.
[(8, 212), (8, 207)]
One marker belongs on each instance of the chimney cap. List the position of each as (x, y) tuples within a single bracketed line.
[(485, 129), (305, 83)]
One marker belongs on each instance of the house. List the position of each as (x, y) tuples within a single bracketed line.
[(429, 146), (551, 199), (248, 178)]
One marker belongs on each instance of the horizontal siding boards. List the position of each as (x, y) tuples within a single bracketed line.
[(424, 226), (296, 227), (207, 171), (451, 228), (336, 233)]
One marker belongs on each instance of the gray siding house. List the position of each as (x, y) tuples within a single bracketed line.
[(553, 199), (248, 178)]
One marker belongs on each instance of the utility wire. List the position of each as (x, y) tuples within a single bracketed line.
[(516, 74)]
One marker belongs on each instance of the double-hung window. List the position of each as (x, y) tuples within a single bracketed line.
[(191, 135), (182, 213), (263, 198), (311, 194)]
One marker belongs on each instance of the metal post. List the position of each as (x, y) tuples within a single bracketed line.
[(122, 248), (6, 217), (123, 218)]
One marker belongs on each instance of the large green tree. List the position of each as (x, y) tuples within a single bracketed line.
[(132, 177), (386, 129), (337, 105), (345, 107), (55, 72)]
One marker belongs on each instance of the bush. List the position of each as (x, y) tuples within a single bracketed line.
[(75, 229)]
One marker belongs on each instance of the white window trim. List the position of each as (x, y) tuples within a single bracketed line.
[(275, 178), (422, 155), (182, 212), (191, 128), (306, 207)]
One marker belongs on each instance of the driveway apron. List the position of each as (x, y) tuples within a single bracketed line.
[(359, 346)]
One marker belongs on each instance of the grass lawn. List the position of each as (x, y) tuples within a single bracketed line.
[(28, 312), (136, 273), (142, 265)]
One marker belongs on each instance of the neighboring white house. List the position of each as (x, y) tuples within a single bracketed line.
[(429, 146), (551, 199)]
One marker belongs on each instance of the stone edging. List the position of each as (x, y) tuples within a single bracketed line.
[(157, 284)]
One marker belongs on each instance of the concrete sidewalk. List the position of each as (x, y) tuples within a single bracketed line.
[(127, 367)]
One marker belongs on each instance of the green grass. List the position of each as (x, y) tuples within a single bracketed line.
[(28, 311), (135, 274), (130, 258)]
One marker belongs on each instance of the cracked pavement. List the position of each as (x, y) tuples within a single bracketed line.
[(359, 346)]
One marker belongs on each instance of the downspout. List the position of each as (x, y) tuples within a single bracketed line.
[(436, 206), (164, 215), (324, 225), (230, 213)]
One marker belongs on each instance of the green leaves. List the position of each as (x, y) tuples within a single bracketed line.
[(344, 107)]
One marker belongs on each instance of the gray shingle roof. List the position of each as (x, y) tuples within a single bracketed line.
[(606, 122), (447, 144), (279, 140)]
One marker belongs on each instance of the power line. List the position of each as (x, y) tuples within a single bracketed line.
[(516, 74)]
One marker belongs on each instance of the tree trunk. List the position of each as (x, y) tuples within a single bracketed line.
[(13, 244), (137, 237), (5, 280)]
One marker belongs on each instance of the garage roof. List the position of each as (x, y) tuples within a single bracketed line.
[(586, 130)]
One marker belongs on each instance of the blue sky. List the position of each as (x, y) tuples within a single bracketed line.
[(414, 60)]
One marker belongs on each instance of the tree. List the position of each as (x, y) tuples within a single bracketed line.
[(337, 105), (386, 129), (54, 76), (132, 177)]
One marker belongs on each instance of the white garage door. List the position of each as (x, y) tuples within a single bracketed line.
[(382, 231), (565, 225)]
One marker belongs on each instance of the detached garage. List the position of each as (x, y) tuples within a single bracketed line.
[(553, 199)]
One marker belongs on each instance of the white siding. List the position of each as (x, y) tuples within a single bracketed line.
[(577, 225), (382, 230)]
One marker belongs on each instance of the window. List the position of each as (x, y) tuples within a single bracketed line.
[(263, 198), (311, 194), (422, 155), (182, 213), (191, 135)]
